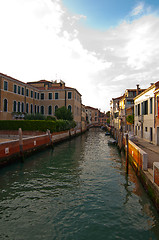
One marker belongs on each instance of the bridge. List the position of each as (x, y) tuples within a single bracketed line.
[(99, 125)]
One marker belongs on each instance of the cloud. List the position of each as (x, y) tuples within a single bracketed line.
[(138, 9), (41, 40)]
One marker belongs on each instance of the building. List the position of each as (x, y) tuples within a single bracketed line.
[(144, 108), (103, 118), (18, 98), (156, 114), (125, 104), (92, 115), (83, 118), (114, 112)]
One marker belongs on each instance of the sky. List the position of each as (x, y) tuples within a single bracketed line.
[(99, 47)]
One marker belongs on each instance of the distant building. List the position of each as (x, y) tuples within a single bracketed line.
[(83, 118), (114, 112), (122, 107), (92, 115), (103, 118), (18, 98)]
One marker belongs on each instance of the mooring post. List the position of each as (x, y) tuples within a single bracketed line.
[(51, 142), (21, 144), (127, 153)]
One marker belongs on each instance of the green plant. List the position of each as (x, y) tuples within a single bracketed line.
[(130, 119), (64, 113), (36, 116), (37, 125)]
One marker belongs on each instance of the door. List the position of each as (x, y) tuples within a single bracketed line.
[(151, 138)]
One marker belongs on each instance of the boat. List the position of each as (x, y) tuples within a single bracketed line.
[(112, 142), (107, 133)]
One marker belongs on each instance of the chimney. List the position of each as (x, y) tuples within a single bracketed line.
[(137, 90), (151, 84)]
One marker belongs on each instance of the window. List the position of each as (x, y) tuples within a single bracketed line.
[(22, 107), (27, 92), (42, 109), (145, 107), (145, 129), (56, 107), (38, 95), (22, 91), (18, 106), (35, 109), (42, 96), (31, 108), (50, 110), (14, 106), (27, 107), (31, 94), (35, 95), (138, 127), (135, 110), (50, 95), (70, 108), (56, 95), (150, 105), (5, 105), (18, 89), (5, 85), (129, 102), (15, 88), (138, 109), (69, 95)]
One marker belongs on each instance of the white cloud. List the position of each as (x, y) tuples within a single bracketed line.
[(41, 40), (138, 9)]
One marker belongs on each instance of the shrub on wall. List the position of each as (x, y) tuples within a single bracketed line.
[(130, 119), (37, 125)]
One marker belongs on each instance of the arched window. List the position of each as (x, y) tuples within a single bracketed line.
[(49, 110), (22, 107), (14, 106), (5, 105), (19, 106), (35, 108), (42, 109), (56, 107), (70, 108), (31, 108), (27, 107)]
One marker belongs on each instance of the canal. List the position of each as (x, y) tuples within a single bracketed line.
[(77, 191)]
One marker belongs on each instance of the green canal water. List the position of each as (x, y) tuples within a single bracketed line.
[(79, 191)]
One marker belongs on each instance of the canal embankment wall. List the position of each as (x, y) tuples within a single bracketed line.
[(15, 145), (139, 160)]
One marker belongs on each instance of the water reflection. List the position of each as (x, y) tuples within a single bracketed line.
[(77, 191)]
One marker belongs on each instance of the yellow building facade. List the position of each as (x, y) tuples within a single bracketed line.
[(18, 98)]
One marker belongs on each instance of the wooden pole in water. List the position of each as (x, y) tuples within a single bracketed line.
[(127, 153), (21, 144), (50, 138)]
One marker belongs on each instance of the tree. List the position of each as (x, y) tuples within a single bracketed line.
[(64, 113)]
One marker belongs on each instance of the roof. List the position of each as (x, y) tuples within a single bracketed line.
[(146, 90), (91, 108), (40, 81), (6, 76)]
